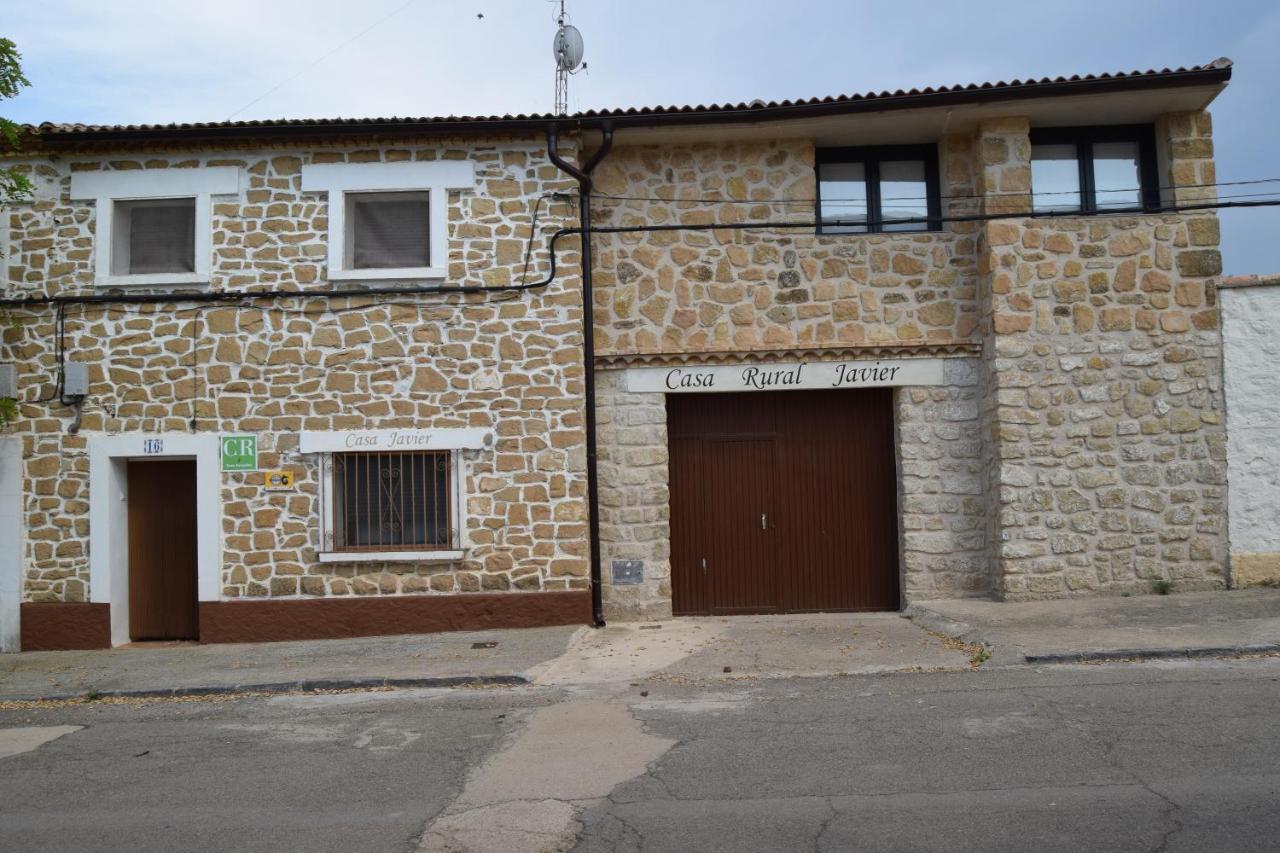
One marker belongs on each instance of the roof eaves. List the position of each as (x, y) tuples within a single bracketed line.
[(74, 135)]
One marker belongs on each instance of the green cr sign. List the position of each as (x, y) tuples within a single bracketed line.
[(239, 453)]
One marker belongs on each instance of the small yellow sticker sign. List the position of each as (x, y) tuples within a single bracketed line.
[(279, 480)]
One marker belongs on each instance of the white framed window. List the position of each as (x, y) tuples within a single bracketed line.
[(390, 503), (392, 495), (152, 236), (154, 226), (389, 230), (388, 221)]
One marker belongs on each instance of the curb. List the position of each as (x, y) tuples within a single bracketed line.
[(305, 686), (934, 621), (1186, 652)]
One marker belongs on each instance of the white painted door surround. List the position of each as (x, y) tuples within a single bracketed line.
[(109, 520)]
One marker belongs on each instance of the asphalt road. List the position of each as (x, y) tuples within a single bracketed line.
[(1137, 757)]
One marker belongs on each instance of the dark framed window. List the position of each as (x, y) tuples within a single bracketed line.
[(1094, 169), (392, 501), (877, 189)]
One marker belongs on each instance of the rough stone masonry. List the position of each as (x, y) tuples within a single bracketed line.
[(1077, 444), (364, 362)]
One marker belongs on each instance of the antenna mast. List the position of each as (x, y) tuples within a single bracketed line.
[(567, 47)]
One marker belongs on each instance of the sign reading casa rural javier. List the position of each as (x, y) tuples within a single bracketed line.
[(803, 375)]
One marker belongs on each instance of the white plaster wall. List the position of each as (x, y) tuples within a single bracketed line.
[(10, 542), (1251, 367)]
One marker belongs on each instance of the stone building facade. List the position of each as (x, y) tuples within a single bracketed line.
[(507, 365), (1070, 437)]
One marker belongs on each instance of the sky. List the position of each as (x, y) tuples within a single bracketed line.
[(122, 62)]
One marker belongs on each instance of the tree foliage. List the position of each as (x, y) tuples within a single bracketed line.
[(14, 185)]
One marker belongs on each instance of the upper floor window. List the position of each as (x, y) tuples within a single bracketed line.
[(154, 226), (884, 188), (154, 236), (388, 230), (388, 220), (1094, 169)]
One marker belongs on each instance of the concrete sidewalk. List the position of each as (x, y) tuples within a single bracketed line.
[(419, 660), (734, 648), (679, 650), (1193, 624), (683, 650)]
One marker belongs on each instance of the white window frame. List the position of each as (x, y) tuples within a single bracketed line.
[(326, 444), (349, 238), (106, 188), (436, 177)]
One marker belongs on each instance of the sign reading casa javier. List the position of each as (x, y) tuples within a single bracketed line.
[(803, 375), (383, 440)]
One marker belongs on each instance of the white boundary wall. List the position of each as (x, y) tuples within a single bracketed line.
[(1251, 368)]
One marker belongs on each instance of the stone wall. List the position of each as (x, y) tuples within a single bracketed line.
[(725, 295), (1251, 351), (1077, 446), (509, 362), (1103, 401), (1107, 407), (941, 486), (769, 289), (635, 508)]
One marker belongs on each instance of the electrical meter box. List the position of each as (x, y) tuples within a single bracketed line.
[(75, 379)]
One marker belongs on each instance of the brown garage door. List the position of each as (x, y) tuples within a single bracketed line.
[(783, 502)]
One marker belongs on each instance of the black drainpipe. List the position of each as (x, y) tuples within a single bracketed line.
[(583, 177)]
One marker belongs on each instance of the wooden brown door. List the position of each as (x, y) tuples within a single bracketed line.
[(162, 551), (783, 502)]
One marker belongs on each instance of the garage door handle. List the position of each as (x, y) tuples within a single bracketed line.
[(704, 565), (764, 524)]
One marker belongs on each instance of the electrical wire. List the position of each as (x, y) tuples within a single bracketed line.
[(323, 57), (239, 298), (954, 197)]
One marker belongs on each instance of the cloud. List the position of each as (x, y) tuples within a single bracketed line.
[(128, 62)]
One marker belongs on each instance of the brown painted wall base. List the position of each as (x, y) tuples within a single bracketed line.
[(51, 626), (331, 618), (55, 626)]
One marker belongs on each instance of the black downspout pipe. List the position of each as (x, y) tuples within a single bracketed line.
[(583, 176)]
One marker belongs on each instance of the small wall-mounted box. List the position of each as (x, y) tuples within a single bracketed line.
[(75, 379), (8, 380), (627, 572)]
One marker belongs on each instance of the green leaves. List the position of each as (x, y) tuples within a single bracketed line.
[(14, 186), (12, 79)]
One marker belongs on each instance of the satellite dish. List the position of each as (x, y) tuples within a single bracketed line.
[(567, 47)]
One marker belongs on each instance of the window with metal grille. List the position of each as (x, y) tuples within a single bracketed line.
[(392, 501)]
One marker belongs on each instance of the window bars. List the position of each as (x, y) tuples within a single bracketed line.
[(392, 501)]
